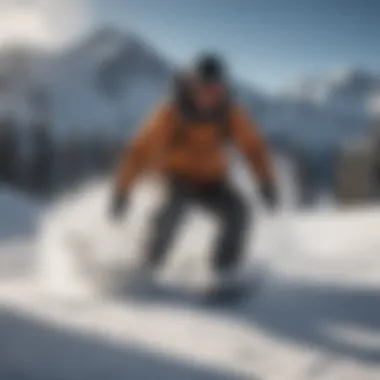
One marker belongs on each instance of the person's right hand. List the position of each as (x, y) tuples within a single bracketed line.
[(270, 196), (118, 205)]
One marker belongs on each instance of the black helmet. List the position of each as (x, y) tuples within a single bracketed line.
[(209, 68)]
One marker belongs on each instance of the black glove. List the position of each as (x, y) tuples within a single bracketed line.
[(118, 205), (270, 196)]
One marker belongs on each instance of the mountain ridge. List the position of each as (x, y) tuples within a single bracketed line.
[(107, 81)]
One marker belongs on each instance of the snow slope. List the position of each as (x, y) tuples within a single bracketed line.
[(315, 322), (316, 315)]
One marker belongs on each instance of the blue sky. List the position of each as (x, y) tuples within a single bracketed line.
[(268, 43)]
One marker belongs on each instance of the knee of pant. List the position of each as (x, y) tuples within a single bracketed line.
[(158, 218), (238, 213)]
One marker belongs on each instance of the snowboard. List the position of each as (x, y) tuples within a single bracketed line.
[(232, 294), (228, 295)]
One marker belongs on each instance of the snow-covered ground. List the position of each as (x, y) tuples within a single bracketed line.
[(316, 314)]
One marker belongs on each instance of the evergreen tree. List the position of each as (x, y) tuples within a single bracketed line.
[(8, 150), (73, 159), (42, 158)]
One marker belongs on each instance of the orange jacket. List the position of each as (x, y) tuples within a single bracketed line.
[(200, 158)]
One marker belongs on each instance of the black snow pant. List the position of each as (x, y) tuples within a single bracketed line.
[(219, 198)]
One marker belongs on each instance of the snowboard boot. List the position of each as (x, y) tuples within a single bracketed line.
[(234, 285), (226, 284)]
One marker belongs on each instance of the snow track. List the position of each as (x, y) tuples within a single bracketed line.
[(316, 316)]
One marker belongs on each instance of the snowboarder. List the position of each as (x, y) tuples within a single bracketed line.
[(184, 142)]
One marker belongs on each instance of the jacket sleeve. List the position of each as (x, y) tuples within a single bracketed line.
[(150, 140), (248, 140)]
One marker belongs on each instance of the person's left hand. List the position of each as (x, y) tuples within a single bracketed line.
[(270, 196), (118, 205)]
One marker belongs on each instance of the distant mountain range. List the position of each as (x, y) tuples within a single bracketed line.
[(342, 105), (108, 81)]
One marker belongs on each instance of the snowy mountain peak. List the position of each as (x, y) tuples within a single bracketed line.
[(350, 74), (111, 78), (345, 80), (354, 80), (107, 41), (106, 35)]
